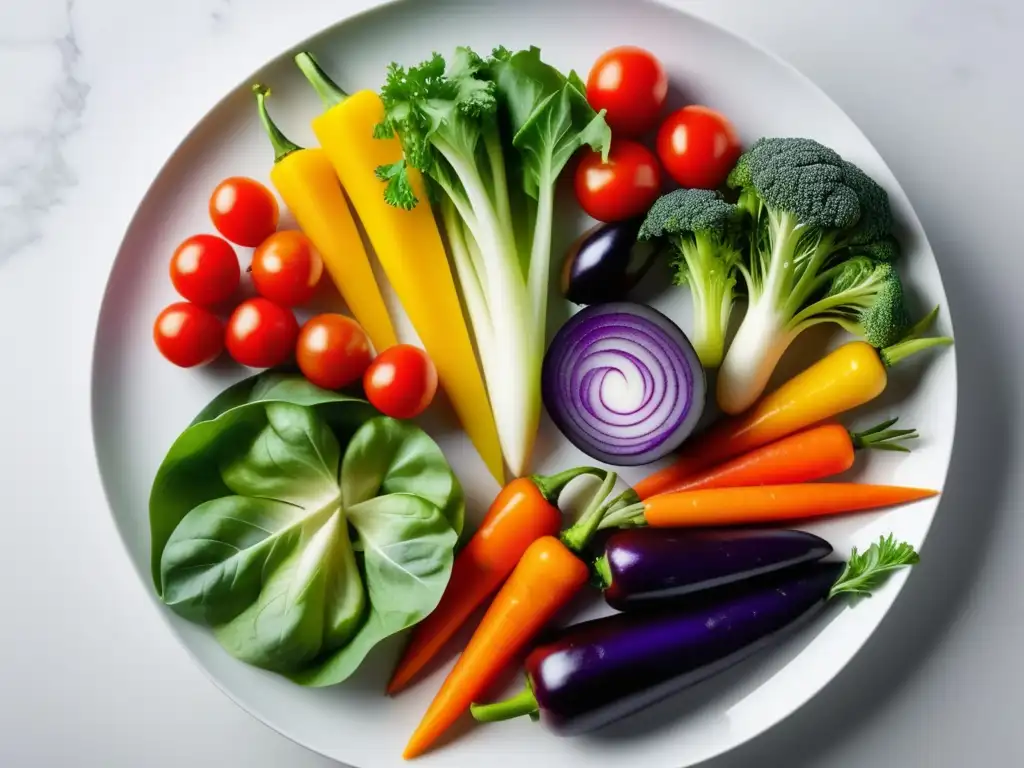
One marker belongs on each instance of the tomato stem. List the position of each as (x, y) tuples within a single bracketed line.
[(283, 146), (326, 88)]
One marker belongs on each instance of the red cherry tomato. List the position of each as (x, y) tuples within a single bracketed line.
[(333, 351), (621, 188), (204, 270), (261, 334), (188, 335), (698, 147), (401, 381), (286, 268), (244, 211), (631, 84)]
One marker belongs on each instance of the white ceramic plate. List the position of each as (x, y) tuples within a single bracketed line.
[(141, 403)]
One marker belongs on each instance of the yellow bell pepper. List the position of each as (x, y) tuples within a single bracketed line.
[(309, 187), (410, 249)]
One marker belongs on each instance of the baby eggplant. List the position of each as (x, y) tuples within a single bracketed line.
[(591, 674), (602, 670), (644, 567), (606, 262)]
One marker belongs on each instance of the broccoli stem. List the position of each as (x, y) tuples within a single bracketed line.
[(810, 279), (777, 275), (711, 286), (837, 307), (759, 344)]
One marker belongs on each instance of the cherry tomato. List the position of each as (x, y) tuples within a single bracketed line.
[(244, 211), (204, 270), (631, 84), (401, 381), (286, 268), (261, 334), (698, 147), (621, 188), (188, 335), (333, 351)]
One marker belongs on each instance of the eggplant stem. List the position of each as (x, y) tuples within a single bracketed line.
[(602, 573), (551, 486), (578, 536), (523, 703)]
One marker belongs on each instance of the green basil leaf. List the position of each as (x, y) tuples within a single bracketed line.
[(295, 459), (390, 456), (311, 598), (256, 517), (190, 472), (213, 563), (408, 555)]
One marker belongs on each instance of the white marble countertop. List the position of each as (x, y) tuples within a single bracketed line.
[(88, 673)]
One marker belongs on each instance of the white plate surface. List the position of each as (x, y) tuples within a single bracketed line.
[(141, 403)]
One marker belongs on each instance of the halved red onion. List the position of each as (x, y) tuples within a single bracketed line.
[(623, 383)]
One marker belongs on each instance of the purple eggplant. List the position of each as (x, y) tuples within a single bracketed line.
[(644, 565), (606, 262), (600, 671)]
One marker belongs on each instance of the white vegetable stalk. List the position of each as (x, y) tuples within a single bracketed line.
[(507, 325), (760, 342)]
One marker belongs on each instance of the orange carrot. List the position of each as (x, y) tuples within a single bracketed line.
[(813, 454), (548, 575), (546, 578), (768, 503), (522, 512), (852, 375)]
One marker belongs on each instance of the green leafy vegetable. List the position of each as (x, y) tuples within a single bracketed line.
[(865, 572), (493, 135), (819, 245), (704, 234), (302, 527)]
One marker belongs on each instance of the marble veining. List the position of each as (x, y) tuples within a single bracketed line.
[(35, 175)]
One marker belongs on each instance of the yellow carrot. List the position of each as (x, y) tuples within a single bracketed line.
[(852, 375), (410, 249), (306, 181)]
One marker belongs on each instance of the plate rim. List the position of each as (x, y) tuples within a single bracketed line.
[(262, 61)]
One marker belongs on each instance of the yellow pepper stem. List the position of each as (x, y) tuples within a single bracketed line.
[(283, 146), (309, 186), (326, 88)]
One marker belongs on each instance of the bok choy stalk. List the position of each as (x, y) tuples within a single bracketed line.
[(493, 136)]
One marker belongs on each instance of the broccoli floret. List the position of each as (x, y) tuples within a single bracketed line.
[(866, 298), (884, 249), (704, 238), (810, 211)]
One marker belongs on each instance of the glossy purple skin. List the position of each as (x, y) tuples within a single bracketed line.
[(656, 564), (603, 670), (605, 263)]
